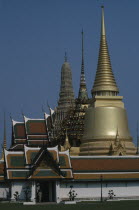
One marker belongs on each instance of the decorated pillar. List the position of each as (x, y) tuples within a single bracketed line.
[(12, 191), (33, 191), (58, 199)]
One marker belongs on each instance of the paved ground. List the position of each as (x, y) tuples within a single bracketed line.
[(118, 205)]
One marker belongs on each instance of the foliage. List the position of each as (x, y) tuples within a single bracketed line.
[(111, 194), (72, 194), (16, 195)]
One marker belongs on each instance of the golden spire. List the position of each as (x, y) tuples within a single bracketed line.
[(4, 139), (117, 140), (66, 145), (105, 83)]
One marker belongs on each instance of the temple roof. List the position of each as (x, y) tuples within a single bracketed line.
[(35, 126), (49, 163), (36, 163), (33, 132), (95, 168), (19, 130), (1, 171), (104, 164)]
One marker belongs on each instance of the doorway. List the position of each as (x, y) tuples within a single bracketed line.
[(46, 191)]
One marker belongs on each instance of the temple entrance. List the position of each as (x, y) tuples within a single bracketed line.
[(44, 188), (45, 192)]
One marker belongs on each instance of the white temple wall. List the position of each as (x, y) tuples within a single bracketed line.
[(92, 190), (4, 190), (122, 189), (20, 187), (84, 190)]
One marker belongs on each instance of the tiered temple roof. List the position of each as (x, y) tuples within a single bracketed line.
[(31, 132)]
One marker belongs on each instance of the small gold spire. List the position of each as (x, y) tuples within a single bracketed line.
[(104, 80), (66, 145), (117, 139)]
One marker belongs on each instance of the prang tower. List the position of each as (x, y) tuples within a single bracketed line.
[(66, 95), (66, 98), (106, 129), (73, 125)]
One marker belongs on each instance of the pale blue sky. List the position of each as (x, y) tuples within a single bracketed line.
[(34, 35)]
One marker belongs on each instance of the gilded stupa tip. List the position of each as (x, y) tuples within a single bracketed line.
[(104, 83)]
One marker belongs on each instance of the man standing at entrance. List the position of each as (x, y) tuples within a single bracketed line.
[(40, 196)]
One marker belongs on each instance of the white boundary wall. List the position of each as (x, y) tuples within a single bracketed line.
[(92, 190), (4, 190), (20, 186), (85, 190)]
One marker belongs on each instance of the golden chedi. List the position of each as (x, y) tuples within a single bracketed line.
[(106, 129)]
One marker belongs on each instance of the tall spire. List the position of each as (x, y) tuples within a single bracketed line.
[(66, 57), (104, 83), (4, 139), (82, 66), (82, 90)]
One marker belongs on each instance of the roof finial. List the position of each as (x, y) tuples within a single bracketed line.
[(22, 113), (65, 57), (43, 109), (48, 105)]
